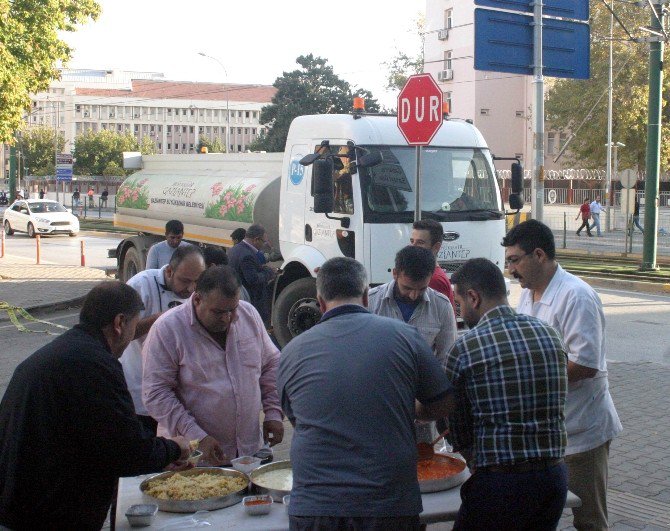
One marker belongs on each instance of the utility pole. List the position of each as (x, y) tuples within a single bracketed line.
[(12, 173), (608, 178), (656, 49), (537, 182)]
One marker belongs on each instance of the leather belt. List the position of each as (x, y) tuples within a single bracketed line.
[(522, 466)]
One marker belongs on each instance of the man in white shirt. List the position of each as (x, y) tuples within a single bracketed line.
[(572, 307), (160, 253), (408, 298), (596, 209), (160, 290)]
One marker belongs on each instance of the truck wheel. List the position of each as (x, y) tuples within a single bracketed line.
[(8, 229), (295, 310), (132, 264)]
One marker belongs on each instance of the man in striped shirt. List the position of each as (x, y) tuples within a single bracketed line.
[(510, 378)]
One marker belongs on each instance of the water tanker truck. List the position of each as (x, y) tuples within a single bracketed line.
[(343, 187)]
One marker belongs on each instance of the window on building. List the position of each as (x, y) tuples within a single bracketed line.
[(239, 130), (169, 112), (190, 147), (137, 128), (246, 131), (447, 59), (215, 113), (169, 146), (484, 112), (519, 114), (201, 130), (192, 112), (247, 114), (253, 130), (160, 145), (191, 129), (183, 147), (446, 98), (239, 148), (551, 143), (448, 18), (183, 112), (255, 114), (183, 128)]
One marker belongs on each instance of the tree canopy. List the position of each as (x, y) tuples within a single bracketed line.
[(312, 89), (213, 146), (30, 49), (569, 102), (402, 65), (36, 145), (101, 153)]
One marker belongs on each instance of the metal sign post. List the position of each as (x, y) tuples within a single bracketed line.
[(537, 183)]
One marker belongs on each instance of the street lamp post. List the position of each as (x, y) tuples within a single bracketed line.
[(227, 98), (609, 191)]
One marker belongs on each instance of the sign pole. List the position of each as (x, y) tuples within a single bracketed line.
[(417, 186), (537, 183)]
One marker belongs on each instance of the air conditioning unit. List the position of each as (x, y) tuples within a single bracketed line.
[(443, 34), (445, 75), (86, 114)]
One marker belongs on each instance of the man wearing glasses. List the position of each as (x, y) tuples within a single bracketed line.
[(572, 307), (210, 369)]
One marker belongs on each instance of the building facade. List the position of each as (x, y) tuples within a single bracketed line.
[(499, 104), (172, 114)]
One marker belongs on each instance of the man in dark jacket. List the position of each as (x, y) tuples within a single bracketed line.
[(255, 277), (68, 429)]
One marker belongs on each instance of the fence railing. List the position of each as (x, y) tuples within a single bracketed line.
[(576, 196)]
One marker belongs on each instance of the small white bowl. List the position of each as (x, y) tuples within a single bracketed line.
[(257, 505), (141, 515), (246, 463)]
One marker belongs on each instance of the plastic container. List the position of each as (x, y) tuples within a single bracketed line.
[(141, 515), (257, 505), (246, 463), (286, 500)]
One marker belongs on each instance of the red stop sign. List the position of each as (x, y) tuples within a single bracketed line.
[(420, 109)]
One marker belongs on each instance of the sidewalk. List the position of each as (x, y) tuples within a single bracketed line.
[(46, 286)]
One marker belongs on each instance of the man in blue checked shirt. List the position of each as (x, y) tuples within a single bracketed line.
[(509, 373)]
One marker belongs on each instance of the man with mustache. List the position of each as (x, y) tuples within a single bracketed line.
[(572, 307)]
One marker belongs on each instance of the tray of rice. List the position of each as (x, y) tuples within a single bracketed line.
[(197, 489), (441, 472)]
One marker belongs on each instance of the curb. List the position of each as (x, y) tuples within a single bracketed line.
[(49, 307), (654, 288)]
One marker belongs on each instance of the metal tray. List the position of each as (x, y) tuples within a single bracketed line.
[(191, 506), (276, 494), (437, 485)]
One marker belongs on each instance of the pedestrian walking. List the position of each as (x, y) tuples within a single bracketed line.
[(352, 382), (103, 198), (570, 305), (91, 203), (596, 208), (585, 213), (41, 193), (636, 217), (509, 373)]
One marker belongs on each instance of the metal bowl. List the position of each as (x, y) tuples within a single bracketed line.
[(437, 485), (257, 474), (191, 506)]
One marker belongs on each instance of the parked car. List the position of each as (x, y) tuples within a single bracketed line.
[(39, 216)]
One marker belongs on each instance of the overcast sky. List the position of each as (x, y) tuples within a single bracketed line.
[(256, 40)]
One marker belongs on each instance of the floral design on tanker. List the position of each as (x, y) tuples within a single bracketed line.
[(133, 194), (234, 203)]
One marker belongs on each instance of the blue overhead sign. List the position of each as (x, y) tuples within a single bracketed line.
[(504, 43), (574, 9)]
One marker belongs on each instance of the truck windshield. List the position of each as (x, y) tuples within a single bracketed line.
[(457, 184)]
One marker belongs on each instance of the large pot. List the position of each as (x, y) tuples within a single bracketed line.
[(449, 482), (256, 477), (191, 506)]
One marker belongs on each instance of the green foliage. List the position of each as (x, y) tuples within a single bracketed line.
[(95, 151), (112, 170), (37, 147), (569, 101), (312, 89), (30, 49), (212, 146)]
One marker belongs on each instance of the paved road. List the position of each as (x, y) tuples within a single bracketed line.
[(64, 250)]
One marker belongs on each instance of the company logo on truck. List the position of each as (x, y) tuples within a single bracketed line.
[(296, 171)]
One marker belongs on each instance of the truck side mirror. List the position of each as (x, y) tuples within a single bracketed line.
[(516, 197), (322, 186)]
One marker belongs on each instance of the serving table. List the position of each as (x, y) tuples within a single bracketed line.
[(437, 507)]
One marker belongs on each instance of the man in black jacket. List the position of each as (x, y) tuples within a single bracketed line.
[(68, 429), (254, 276)]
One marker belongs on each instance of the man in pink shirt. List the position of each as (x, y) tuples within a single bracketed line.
[(210, 369)]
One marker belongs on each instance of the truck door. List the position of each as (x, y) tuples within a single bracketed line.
[(292, 212), (329, 235)]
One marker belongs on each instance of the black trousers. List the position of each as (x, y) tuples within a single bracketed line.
[(585, 224), (347, 523)]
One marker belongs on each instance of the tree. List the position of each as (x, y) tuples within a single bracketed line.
[(94, 153), (30, 48), (36, 144), (312, 89), (403, 65), (213, 146), (569, 101)]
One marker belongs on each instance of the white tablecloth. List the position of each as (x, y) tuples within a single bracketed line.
[(437, 507)]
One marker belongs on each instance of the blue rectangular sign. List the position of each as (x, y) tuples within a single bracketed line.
[(63, 174), (575, 9), (504, 43)]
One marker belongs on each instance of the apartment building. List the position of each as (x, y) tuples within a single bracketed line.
[(172, 114), (499, 104)]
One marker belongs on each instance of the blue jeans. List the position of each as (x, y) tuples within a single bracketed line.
[(596, 223), (531, 501)]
